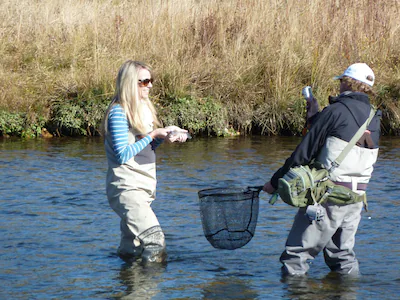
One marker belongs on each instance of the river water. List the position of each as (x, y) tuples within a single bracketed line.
[(58, 236)]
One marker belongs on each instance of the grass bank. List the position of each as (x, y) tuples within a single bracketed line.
[(230, 64)]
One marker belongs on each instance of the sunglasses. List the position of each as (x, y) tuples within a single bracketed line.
[(145, 82)]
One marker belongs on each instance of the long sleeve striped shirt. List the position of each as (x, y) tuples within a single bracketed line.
[(119, 127)]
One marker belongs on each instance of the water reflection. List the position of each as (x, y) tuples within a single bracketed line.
[(227, 287), (332, 286), (140, 281)]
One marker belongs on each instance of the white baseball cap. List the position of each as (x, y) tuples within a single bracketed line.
[(360, 72)]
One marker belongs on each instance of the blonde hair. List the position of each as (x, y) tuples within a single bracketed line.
[(127, 95)]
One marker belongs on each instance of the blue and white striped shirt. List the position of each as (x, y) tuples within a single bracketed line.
[(118, 127)]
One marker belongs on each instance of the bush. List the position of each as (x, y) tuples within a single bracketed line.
[(79, 114), (199, 115), (20, 124), (11, 123)]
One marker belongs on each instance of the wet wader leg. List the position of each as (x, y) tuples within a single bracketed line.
[(153, 241), (304, 242), (129, 245), (141, 233), (338, 253)]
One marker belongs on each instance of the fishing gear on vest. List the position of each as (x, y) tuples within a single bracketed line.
[(310, 185)]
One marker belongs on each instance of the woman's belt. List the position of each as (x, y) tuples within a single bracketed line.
[(349, 185)]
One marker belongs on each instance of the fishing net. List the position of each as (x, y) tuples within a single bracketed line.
[(229, 215)]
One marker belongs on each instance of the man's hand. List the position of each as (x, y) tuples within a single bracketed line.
[(269, 188)]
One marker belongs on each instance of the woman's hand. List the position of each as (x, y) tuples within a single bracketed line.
[(175, 129), (159, 133), (176, 134), (177, 137)]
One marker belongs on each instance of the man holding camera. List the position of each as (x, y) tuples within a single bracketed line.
[(333, 232)]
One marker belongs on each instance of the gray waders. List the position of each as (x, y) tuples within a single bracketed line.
[(334, 235)]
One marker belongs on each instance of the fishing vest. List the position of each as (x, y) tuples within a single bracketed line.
[(356, 167)]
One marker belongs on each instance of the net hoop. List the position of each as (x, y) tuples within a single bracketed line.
[(229, 215)]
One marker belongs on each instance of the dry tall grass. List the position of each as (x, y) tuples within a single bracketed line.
[(252, 55)]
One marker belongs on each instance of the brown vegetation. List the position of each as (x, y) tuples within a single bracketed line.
[(251, 56)]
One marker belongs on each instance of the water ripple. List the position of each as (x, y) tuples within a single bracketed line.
[(58, 236)]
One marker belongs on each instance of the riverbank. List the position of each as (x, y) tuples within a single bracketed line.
[(221, 67)]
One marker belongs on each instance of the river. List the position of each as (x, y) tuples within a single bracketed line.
[(58, 235)]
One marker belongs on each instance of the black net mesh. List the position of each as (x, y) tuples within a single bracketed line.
[(229, 215)]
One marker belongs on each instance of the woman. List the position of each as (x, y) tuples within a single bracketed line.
[(132, 132)]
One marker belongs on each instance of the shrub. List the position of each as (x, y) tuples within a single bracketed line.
[(200, 115), (78, 113)]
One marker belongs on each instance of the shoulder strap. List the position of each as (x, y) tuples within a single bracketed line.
[(353, 141)]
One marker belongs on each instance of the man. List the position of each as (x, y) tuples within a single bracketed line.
[(330, 132)]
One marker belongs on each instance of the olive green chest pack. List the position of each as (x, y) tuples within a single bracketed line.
[(310, 184)]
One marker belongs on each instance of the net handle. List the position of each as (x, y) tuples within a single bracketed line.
[(257, 188)]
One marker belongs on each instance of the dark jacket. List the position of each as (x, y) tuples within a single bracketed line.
[(340, 119)]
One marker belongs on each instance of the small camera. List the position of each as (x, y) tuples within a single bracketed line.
[(307, 92), (314, 213)]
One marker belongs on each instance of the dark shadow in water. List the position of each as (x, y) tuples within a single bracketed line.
[(223, 287), (332, 286)]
